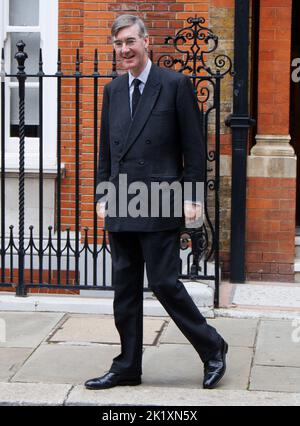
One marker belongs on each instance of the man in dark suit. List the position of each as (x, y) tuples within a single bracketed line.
[(150, 132)]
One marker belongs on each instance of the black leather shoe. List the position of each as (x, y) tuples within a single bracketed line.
[(214, 368), (110, 380)]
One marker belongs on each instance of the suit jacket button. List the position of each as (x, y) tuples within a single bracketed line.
[(148, 141), (141, 162), (116, 142)]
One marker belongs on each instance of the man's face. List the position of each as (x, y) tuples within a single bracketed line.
[(131, 49)]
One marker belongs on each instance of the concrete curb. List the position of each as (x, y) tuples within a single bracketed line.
[(202, 295), (161, 396), (104, 306), (65, 394), (33, 394)]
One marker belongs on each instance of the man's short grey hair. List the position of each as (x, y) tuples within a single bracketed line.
[(124, 21)]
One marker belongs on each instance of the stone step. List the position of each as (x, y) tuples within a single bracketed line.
[(297, 265), (297, 259), (297, 274), (201, 293), (297, 247)]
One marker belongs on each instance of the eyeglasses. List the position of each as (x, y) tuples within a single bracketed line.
[(129, 42)]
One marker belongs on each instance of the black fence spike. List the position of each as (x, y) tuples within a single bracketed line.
[(41, 72), (21, 57), (96, 61), (58, 61), (77, 61), (2, 68)]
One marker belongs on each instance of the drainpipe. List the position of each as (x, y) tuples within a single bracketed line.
[(239, 122)]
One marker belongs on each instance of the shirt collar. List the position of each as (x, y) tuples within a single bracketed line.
[(143, 77)]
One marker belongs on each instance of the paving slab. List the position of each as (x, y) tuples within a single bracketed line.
[(61, 363), (33, 394), (161, 396), (101, 329), (275, 345), (236, 333), (277, 379), (11, 359), (27, 329), (180, 366)]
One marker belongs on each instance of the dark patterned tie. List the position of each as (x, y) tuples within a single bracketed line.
[(136, 95)]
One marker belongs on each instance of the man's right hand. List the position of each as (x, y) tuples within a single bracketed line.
[(100, 209)]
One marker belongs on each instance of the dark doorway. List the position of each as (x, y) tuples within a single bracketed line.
[(295, 101)]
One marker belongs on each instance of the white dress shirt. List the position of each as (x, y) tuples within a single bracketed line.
[(143, 77)]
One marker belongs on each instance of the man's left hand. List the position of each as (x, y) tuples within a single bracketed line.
[(192, 212)]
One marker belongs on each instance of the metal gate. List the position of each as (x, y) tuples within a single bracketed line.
[(72, 257)]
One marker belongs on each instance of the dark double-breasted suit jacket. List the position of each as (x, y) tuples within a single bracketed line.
[(163, 142)]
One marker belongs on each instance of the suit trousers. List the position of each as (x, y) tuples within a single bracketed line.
[(160, 251)]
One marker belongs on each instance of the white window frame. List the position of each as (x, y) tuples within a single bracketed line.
[(48, 29)]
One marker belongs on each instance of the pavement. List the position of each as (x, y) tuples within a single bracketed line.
[(45, 356)]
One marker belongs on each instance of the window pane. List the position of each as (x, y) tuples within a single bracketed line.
[(31, 112), (24, 12), (32, 41)]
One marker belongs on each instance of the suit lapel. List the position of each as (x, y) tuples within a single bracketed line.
[(144, 108), (123, 106)]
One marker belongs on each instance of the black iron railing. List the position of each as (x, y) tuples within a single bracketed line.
[(69, 257)]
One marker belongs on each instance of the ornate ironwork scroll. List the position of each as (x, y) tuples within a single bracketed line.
[(196, 55)]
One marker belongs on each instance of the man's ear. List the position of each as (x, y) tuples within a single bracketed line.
[(146, 40)]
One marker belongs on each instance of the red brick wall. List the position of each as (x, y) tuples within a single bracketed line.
[(270, 229), (70, 38), (271, 202), (274, 67), (86, 24)]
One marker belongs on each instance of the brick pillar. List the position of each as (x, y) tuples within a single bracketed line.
[(272, 163), (274, 79)]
